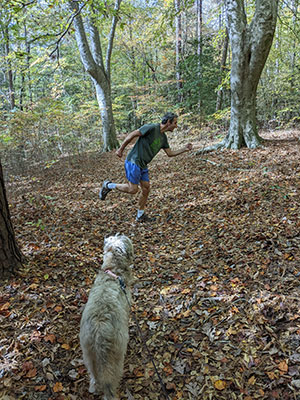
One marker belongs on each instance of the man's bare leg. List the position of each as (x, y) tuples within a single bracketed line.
[(107, 186), (128, 187), (144, 195)]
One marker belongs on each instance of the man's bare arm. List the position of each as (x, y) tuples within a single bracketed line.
[(173, 153), (129, 138)]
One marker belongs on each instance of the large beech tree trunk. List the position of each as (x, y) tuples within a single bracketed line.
[(250, 46), (10, 255), (98, 68)]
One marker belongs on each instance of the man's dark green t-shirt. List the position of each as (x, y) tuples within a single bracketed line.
[(148, 145)]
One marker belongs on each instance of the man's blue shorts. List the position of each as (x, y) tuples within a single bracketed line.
[(135, 174)]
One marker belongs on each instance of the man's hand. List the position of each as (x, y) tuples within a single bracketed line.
[(189, 146), (119, 153)]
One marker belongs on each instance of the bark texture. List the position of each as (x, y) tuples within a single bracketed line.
[(10, 255), (99, 69), (250, 46), (178, 23)]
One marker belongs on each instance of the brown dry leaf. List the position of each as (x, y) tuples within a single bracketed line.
[(50, 338), (271, 375), (233, 238), (31, 373), (282, 366), (138, 372), (170, 386), (168, 369), (41, 388), (27, 366), (220, 385), (5, 306), (58, 387)]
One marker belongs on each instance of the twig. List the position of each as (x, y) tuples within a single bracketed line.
[(222, 165), (63, 34)]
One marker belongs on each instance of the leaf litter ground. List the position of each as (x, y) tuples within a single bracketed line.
[(216, 293)]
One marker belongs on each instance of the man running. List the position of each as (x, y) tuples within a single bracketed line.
[(151, 138)]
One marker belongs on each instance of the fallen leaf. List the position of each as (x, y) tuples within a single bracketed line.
[(58, 387), (220, 385), (41, 388), (50, 338), (283, 366)]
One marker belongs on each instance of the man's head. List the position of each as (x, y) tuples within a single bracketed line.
[(170, 121)]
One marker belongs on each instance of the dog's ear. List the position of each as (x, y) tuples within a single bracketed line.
[(130, 252)]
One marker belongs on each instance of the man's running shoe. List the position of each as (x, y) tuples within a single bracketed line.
[(144, 218), (104, 190)]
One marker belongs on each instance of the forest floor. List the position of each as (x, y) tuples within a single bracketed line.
[(217, 276)]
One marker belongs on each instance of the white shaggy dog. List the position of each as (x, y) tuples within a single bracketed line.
[(104, 323)]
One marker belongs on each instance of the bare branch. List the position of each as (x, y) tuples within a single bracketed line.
[(63, 34)]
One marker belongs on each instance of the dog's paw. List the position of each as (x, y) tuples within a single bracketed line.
[(92, 388)]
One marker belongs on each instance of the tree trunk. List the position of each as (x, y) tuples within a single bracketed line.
[(178, 49), (250, 45), (99, 71), (10, 255), (28, 56), (294, 50), (9, 70), (103, 93), (199, 34), (222, 70)]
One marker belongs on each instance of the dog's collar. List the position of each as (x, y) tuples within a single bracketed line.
[(122, 283), (109, 272)]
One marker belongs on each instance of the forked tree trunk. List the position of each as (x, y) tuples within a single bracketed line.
[(10, 255), (98, 68), (250, 46)]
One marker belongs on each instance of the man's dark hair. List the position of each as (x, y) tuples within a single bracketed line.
[(169, 116)]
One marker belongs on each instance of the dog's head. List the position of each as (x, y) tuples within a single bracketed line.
[(120, 246)]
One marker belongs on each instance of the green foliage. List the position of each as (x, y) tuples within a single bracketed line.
[(47, 131), (56, 110), (279, 91), (200, 78)]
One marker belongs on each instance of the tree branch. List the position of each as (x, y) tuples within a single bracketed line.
[(63, 34), (111, 37)]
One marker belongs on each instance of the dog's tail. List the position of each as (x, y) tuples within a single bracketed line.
[(108, 392), (106, 377)]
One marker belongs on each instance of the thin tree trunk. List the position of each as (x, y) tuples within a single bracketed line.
[(134, 78), (222, 70), (9, 70), (10, 256), (178, 49), (22, 91), (28, 56), (199, 47), (199, 35), (293, 57)]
